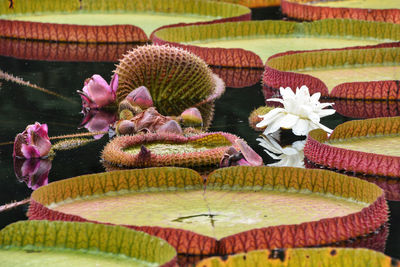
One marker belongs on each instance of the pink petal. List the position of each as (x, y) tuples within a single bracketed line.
[(29, 151), (140, 97), (114, 85), (170, 127), (249, 154), (99, 91)]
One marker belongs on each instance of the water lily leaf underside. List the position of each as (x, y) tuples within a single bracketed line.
[(45, 243), (202, 150), (364, 146), (304, 257), (239, 209), (372, 10), (107, 21), (367, 109), (348, 73), (250, 43)]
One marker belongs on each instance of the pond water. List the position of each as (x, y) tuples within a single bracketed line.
[(21, 105)]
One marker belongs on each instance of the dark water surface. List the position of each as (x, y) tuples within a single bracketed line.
[(21, 105)]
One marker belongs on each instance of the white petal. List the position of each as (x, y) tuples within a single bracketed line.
[(302, 127), (288, 121), (269, 118), (315, 97), (275, 100), (323, 127), (273, 127), (326, 112), (289, 151)]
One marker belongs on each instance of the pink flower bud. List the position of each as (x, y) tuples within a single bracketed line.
[(140, 97), (191, 116), (97, 93), (33, 142)]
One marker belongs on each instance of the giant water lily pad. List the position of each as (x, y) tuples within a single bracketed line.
[(373, 10), (250, 43), (348, 73), (254, 3), (45, 243), (56, 51), (108, 21), (239, 209), (364, 146), (157, 150), (344, 257)]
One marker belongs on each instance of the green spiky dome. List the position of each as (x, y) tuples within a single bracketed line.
[(176, 79)]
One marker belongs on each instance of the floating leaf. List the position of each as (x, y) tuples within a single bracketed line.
[(157, 150), (250, 43), (345, 257), (238, 77), (39, 243), (363, 146), (348, 73), (55, 51), (111, 21), (240, 208), (254, 3), (372, 10)]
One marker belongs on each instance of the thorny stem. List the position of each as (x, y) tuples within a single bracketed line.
[(14, 204)]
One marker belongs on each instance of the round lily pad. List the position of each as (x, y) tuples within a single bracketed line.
[(157, 150), (372, 10), (239, 209), (45, 243), (111, 21), (348, 73), (250, 43), (56, 51), (364, 146), (345, 257)]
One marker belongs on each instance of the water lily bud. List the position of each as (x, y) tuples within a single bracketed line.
[(140, 97), (126, 105), (33, 142), (125, 114), (125, 127), (170, 127), (96, 93), (191, 117)]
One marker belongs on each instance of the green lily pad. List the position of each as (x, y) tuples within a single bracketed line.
[(364, 146), (345, 257), (254, 3), (240, 209), (250, 43), (45, 243), (373, 10), (348, 73), (107, 21)]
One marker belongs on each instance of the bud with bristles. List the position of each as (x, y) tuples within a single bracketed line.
[(125, 127), (170, 127), (140, 97), (191, 117)]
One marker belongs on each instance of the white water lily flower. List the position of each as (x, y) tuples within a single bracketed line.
[(290, 156), (301, 112)]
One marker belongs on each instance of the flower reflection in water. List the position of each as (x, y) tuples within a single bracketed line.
[(34, 172), (98, 121), (288, 156)]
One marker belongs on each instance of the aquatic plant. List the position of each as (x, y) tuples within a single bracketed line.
[(33, 142), (362, 146), (81, 244), (301, 112), (293, 257), (365, 73), (255, 118), (97, 93), (168, 149), (191, 117), (111, 21), (387, 11), (95, 120), (235, 211), (251, 43), (246, 156), (175, 78)]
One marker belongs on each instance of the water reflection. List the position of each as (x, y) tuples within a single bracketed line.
[(238, 77), (34, 172), (98, 121), (367, 109)]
